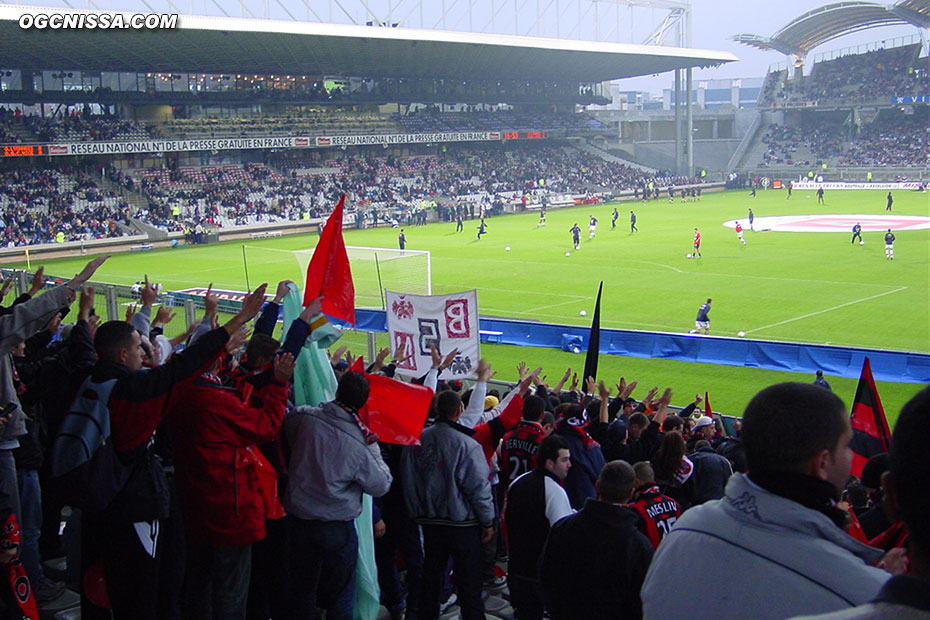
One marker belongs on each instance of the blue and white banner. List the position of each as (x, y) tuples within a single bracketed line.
[(448, 321)]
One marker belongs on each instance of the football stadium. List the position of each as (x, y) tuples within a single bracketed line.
[(446, 227)]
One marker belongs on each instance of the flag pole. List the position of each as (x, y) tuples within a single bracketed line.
[(245, 267)]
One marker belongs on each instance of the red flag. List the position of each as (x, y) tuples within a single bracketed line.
[(871, 435), (329, 273), (707, 410), (358, 365), (16, 572), (396, 411)]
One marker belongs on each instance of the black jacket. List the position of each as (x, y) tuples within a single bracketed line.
[(711, 472), (594, 563)]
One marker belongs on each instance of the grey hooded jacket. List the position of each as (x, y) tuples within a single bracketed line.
[(447, 479), (331, 465), (758, 555)]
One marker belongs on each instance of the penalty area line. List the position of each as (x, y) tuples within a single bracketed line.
[(810, 314)]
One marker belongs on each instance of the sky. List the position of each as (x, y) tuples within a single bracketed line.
[(714, 22)]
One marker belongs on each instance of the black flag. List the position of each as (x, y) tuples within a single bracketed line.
[(594, 340)]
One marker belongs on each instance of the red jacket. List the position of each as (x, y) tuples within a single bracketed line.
[(489, 434), (219, 469)]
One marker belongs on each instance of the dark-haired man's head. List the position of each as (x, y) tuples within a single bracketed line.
[(118, 342), (448, 406), (857, 495), (548, 423), (907, 487), (672, 423), (644, 473), (352, 390), (638, 423), (616, 482), (533, 408), (261, 350), (554, 457), (799, 428)]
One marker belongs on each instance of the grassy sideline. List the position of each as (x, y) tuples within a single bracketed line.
[(801, 287)]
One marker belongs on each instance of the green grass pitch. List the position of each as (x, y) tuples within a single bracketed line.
[(800, 287)]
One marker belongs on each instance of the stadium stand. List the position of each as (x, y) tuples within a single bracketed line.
[(46, 205)]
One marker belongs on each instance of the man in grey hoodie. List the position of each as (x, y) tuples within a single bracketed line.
[(334, 459), (447, 490)]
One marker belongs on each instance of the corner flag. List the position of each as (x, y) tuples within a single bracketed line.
[(329, 273)]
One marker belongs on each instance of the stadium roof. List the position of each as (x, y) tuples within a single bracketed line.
[(831, 21), (230, 45)]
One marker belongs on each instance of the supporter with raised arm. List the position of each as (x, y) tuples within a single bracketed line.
[(448, 491), (125, 536), (774, 546), (587, 458), (25, 320), (335, 458), (226, 487)]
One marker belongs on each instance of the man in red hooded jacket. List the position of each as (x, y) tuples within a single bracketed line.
[(226, 487)]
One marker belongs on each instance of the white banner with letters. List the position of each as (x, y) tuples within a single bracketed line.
[(449, 321), (809, 185)]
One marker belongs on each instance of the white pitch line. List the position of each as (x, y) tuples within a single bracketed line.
[(645, 262), (563, 303), (806, 316)]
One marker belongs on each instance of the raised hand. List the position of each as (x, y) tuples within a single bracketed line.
[(250, 307), (284, 367), (650, 396), (211, 302), (484, 371), (337, 354), (38, 282), (589, 385), (148, 293), (164, 315), (236, 339), (602, 392), (281, 291), (521, 370), (448, 359), (87, 303), (663, 402), (624, 389), (89, 270), (524, 385), (131, 312), (314, 308)]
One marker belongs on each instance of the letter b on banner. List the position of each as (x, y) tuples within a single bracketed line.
[(456, 318)]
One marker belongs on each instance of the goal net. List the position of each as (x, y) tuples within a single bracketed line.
[(373, 270)]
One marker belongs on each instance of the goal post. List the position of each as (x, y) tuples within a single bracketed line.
[(373, 270)]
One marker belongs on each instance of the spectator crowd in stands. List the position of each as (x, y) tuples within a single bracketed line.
[(893, 139), (876, 75), (44, 205), (230, 195), (583, 500)]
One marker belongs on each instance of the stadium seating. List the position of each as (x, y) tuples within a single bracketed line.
[(38, 203)]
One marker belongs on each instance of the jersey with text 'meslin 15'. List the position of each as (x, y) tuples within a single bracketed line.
[(658, 512)]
